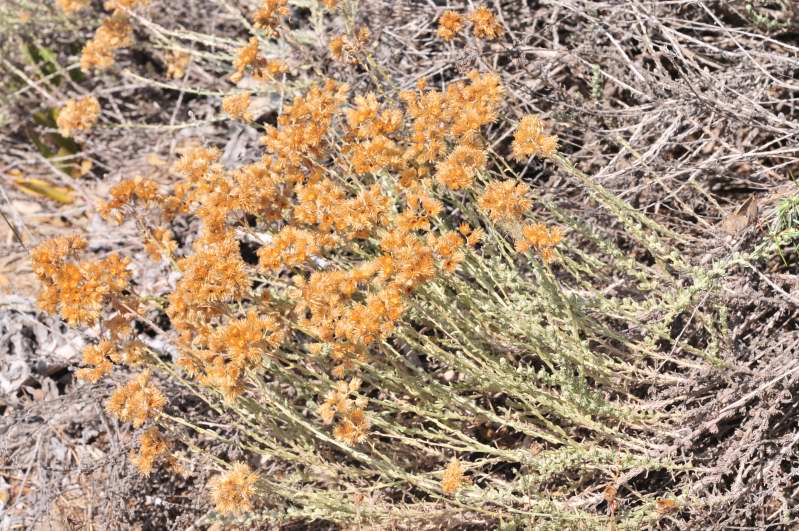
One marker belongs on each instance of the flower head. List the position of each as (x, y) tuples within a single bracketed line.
[(485, 25), (530, 140), (152, 445), (98, 53), (453, 477), (233, 491), (137, 401), (78, 115), (449, 25), (71, 6), (505, 201), (237, 106)]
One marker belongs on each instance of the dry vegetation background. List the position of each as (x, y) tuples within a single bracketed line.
[(682, 115)]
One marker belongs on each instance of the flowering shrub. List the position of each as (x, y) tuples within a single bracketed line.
[(408, 304)]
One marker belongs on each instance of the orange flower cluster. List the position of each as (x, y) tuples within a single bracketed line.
[(136, 402), (233, 491), (320, 196), (269, 14), (98, 53), (176, 64), (458, 169), (101, 357), (249, 56), (152, 445), (454, 116), (78, 115), (374, 150), (237, 106), (353, 425), (350, 310), (105, 354), (326, 206), (290, 247), (449, 25), (299, 137), (473, 236), (505, 202), (130, 192), (71, 6), (453, 477), (367, 121), (231, 349), (215, 274), (530, 140), (346, 48), (484, 24), (78, 291), (540, 238)]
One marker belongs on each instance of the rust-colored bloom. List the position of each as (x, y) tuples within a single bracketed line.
[(453, 477), (449, 25), (530, 140), (152, 445), (98, 53), (540, 238), (505, 201), (78, 115), (237, 106), (269, 14), (71, 6), (137, 401), (233, 491), (485, 25)]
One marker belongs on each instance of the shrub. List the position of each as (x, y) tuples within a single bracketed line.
[(417, 338)]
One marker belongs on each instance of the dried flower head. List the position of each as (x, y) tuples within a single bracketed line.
[(485, 24), (269, 14), (290, 247), (453, 477), (98, 53), (245, 56), (137, 401), (176, 64), (353, 427), (346, 48), (78, 115), (336, 47), (101, 357), (505, 201), (233, 491), (137, 191), (71, 6), (236, 106), (540, 238), (249, 56), (458, 170), (152, 445), (530, 141), (78, 291), (449, 25)]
